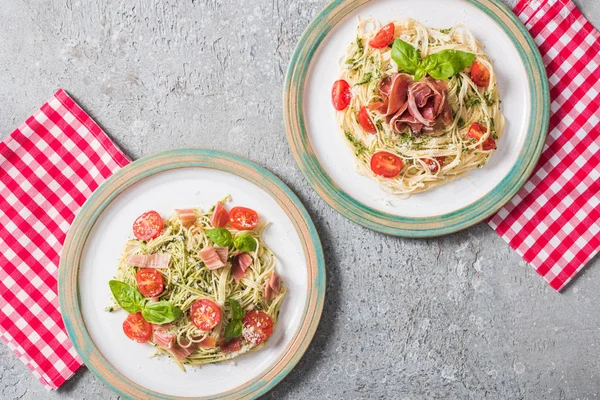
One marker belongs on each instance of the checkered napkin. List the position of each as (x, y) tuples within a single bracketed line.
[(554, 220), (49, 166)]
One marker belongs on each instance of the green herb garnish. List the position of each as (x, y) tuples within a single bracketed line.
[(132, 301), (234, 327), (442, 65), (471, 101), (245, 242), (359, 148), (366, 79), (220, 236), (488, 97)]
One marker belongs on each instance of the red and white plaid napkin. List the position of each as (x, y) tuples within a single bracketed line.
[(49, 166), (554, 220)]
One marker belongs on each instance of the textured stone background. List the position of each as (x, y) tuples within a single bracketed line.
[(456, 317)]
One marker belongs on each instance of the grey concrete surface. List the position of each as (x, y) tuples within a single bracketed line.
[(457, 317)]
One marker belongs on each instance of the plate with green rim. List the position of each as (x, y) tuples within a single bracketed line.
[(163, 182), (321, 154)]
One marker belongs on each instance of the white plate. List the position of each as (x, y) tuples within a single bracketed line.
[(329, 164), (165, 191)]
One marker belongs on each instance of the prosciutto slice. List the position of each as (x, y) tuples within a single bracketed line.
[(240, 264), (220, 216), (222, 252), (187, 217), (211, 258), (417, 105), (272, 287), (163, 338), (208, 343), (180, 352), (158, 260), (230, 346), (394, 90)]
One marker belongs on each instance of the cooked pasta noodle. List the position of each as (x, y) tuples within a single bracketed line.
[(363, 67), (187, 279)]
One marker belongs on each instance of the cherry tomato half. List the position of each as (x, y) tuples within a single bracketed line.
[(476, 131), (258, 327), (384, 37), (365, 120), (386, 164), (340, 94), (150, 282), (137, 328), (480, 74), (205, 314), (243, 219), (432, 165), (148, 225)]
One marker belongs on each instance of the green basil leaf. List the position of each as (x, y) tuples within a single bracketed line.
[(420, 73), (126, 296), (447, 63), (406, 56), (245, 242), (161, 312), (220, 236), (236, 309), (233, 330)]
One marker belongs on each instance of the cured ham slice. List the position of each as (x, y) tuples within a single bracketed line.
[(180, 352), (158, 260), (211, 258), (220, 216), (230, 346), (394, 90), (208, 343), (222, 252), (187, 217), (272, 287), (163, 338), (240, 264), (418, 105)]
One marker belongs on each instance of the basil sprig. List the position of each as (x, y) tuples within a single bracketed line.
[(442, 65), (132, 301), (127, 296), (245, 242), (220, 236), (161, 312), (234, 327)]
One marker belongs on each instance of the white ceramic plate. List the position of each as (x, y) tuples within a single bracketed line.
[(325, 158), (163, 191)]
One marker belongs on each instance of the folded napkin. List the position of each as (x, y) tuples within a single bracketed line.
[(554, 220), (49, 166)]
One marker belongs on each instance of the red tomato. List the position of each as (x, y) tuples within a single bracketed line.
[(386, 164), (258, 326), (148, 225), (340, 94), (365, 121), (433, 167), (243, 219), (480, 74), (489, 144), (137, 328), (150, 282), (205, 314), (476, 131), (384, 37)]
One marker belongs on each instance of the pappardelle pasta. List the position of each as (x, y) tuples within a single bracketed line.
[(418, 106), (200, 286)]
